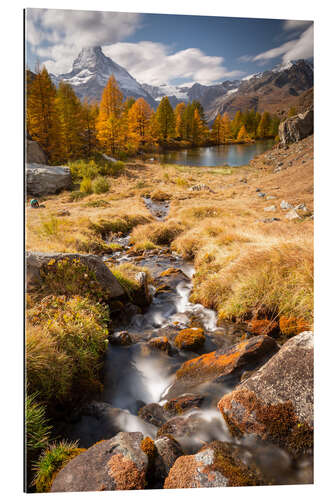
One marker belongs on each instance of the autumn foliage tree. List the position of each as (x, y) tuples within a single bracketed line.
[(68, 129), (41, 113), (71, 121), (139, 118), (165, 119), (111, 126)]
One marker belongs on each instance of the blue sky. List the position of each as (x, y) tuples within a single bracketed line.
[(170, 49)]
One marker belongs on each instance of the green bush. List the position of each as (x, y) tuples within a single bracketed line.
[(100, 185), (51, 461), (90, 169), (86, 186), (81, 169)]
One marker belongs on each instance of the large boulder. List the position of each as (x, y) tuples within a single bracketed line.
[(40, 265), (297, 127), (43, 179), (223, 364), (34, 153), (276, 402), (115, 464), (215, 465)]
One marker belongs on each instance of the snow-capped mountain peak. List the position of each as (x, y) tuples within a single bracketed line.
[(91, 71)]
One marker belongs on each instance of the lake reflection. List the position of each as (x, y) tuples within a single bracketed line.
[(233, 155)]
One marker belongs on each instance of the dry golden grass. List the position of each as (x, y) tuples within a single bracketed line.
[(244, 267)]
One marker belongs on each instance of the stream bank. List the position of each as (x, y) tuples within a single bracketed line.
[(141, 368)]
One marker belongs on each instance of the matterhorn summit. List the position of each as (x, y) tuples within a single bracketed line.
[(91, 71)]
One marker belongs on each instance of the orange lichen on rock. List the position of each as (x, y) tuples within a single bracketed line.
[(160, 343), (148, 447), (171, 270), (290, 326), (182, 474), (223, 362), (125, 473), (190, 339), (263, 327), (245, 413)]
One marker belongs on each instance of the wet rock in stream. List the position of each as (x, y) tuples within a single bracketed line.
[(223, 364)]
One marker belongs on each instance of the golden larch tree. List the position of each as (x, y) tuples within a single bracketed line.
[(41, 114)]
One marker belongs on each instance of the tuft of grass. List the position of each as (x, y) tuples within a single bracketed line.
[(117, 224), (86, 186), (126, 275), (76, 196), (181, 182), (100, 185), (51, 461), (50, 227), (159, 195), (96, 245), (66, 341), (144, 245), (37, 429), (97, 204), (158, 233)]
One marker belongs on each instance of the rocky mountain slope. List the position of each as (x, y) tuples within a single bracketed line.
[(91, 71), (274, 91)]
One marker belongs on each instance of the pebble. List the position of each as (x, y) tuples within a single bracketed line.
[(285, 205), (261, 195), (271, 208)]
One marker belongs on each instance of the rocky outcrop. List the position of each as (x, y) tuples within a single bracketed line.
[(297, 127), (43, 179), (34, 153), (223, 364), (276, 402), (215, 465), (115, 464), (40, 265)]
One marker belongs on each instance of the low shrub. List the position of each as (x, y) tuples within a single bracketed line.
[(51, 461), (71, 277), (86, 186), (100, 185), (83, 169)]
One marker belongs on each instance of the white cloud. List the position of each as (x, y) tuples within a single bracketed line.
[(60, 34), (293, 25), (299, 48), (153, 63)]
